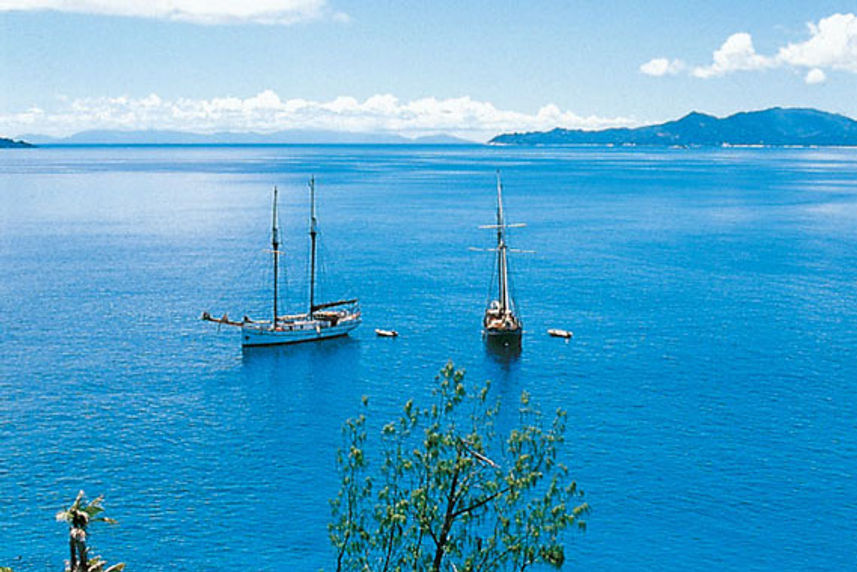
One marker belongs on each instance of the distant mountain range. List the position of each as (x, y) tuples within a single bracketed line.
[(772, 127), (8, 143), (775, 127), (161, 137)]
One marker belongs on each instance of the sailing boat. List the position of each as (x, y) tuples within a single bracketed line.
[(501, 324), (321, 321)]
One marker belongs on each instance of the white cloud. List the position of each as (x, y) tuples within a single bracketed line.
[(274, 12), (659, 67), (814, 76), (266, 112), (737, 53), (832, 44)]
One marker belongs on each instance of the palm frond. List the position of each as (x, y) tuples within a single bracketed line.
[(92, 509)]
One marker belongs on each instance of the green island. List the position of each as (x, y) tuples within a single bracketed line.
[(6, 143)]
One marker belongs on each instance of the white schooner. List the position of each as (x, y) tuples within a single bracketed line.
[(321, 321)]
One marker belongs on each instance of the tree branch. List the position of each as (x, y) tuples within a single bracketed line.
[(482, 502), (478, 456)]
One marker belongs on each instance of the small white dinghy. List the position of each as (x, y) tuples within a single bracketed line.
[(386, 333), (557, 333)]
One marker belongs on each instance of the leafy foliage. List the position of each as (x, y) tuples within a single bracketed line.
[(449, 494), (79, 516)]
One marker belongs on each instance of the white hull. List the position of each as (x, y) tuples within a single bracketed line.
[(308, 331), (557, 333)]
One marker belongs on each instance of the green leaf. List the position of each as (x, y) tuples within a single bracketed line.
[(93, 509)]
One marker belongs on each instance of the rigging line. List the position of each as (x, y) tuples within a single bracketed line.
[(322, 277), (512, 289), (309, 272), (309, 269), (323, 273), (327, 276), (494, 272), (255, 276), (284, 276), (332, 273)]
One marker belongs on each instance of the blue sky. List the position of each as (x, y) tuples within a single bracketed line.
[(472, 68)]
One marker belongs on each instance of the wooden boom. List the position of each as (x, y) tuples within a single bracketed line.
[(332, 304)]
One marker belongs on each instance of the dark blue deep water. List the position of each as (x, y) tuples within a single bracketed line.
[(711, 382)]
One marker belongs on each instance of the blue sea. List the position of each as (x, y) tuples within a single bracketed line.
[(711, 382)]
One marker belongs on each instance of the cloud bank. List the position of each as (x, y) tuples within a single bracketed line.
[(736, 54), (207, 12), (832, 45), (266, 112), (659, 67)]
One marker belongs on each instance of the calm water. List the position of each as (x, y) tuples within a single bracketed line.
[(711, 383)]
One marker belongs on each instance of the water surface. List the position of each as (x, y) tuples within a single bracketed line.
[(710, 382)]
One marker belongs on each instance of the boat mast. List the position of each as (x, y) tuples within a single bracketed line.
[(275, 244), (501, 251), (312, 234)]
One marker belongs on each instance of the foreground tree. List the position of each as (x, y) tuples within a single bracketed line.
[(449, 494), (78, 517)]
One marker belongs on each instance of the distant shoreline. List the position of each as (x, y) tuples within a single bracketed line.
[(774, 127), (227, 145), (165, 137), (627, 146), (6, 143), (617, 146)]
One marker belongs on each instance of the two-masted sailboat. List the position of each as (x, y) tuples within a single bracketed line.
[(501, 323), (321, 321)]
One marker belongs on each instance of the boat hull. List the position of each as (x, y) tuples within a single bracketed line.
[(260, 336), (557, 333), (503, 337)]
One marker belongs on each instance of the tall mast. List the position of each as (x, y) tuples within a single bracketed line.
[(275, 244), (501, 251), (312, 234)]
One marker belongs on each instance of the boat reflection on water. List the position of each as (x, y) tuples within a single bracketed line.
[(504, 351), (337, 355), (310, 386)]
